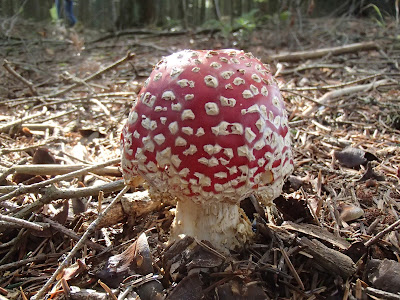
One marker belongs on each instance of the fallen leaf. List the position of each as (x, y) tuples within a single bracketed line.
[(353, 157), (293, 209), (370, 174), (384, 274), (189, 288)]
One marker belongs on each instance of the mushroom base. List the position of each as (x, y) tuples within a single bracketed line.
[(224, 225)]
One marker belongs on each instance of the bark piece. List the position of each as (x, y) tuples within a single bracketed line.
[(331, 260)]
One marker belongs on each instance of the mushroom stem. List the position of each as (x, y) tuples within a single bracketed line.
[(223, 224)]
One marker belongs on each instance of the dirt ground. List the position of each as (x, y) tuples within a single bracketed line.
[(334, 233)]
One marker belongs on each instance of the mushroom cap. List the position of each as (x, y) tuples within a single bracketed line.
[(209, 125)]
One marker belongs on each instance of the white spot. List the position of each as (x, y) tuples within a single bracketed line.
[(235, 61), (221, 175), (264, 91), (227, 101), (237, 128), (183, 83), (259, 144), (213, 162), (163, 120), (276, 102), (187, 130), (228, 152), (176, 71), (159, 138), (158, 108), (148, 144), (261, 162), (157, 77), (196, 69), (244, 169), (187, 114), (191, 150), (136, 134), (226, 74), (184, 172), (232, 170), (215, 65), (173, 127), (238, 81), (203, 161), (204, 180), (211, 109), (247, 94), (253, 109), (151, 166), (254, 89), (180, 142), (176, 107), (223, 59), (211, 81), (256, 78), (223, 161), (260, 124), (148, 99), (209, 149), (168, 95), (249, 134), (189, 97), (175, 161), (149, 124), (245, 151), (218, 187), (277, 121), (200, 131), (229, 86), (217, 148), (220, 129), (133, 116)]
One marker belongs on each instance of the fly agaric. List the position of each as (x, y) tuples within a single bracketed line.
[(210, 129)]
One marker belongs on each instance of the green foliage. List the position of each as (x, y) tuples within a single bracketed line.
[(380, 21), (53, 13)]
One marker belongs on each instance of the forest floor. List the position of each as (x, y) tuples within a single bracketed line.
[(64, 97)]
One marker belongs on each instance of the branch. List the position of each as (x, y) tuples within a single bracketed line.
[(29, 84), (312, 54), (33, 187), (54, 169)]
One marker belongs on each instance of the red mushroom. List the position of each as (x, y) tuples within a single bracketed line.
[(210, 129)]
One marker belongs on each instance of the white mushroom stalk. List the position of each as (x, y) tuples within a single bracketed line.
[(210, 129)]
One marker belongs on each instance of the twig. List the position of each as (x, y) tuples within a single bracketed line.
[(71, 234), (6, 127), (333, 86), (382, 294), (33, 187), (22, 223), (292, 268), (24, 262), (53, 193), (127, 57), (375, 239), (296, 56), (54, 169), (29, 84), (345, 91), (78, 245)]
